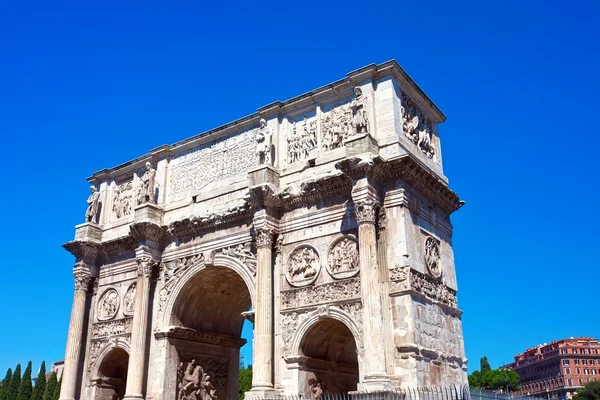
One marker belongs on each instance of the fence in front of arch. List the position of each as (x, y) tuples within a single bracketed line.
[(444, 393)]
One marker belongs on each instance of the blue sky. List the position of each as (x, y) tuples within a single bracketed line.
[(84, 86)]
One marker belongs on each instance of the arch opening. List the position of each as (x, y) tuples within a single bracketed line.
[(112, 375), (206, 327), (330, 360)]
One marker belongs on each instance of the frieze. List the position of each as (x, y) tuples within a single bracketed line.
[(417, 128), (112, 328), (244, 253), (123, 200), (404, 279), (202, 378), (303, 265), (344, 121), (108, 304), (171, 271), (347, 289), (343, 258), (193, 169)]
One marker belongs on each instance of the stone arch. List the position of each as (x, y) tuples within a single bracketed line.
[(110, 371), (321, 313), (113, 343), (218, 260)]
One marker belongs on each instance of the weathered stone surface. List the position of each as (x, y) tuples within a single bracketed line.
[(327, 216)]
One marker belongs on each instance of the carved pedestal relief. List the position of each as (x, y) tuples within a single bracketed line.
[(108, 305), (303, 266), (342, 260), (417, 127), (301, 139), (204, 378)]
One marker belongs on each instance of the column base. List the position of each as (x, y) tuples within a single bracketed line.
[(376, 383), (133, 397), (66, 398), (261, 393)]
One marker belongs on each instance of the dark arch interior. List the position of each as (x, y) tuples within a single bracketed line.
[(212, 301), (113, 375), (332, 360)]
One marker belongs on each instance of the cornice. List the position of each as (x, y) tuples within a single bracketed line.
[(83, 249)]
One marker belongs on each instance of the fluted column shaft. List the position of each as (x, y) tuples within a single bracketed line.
[(375, 368), (262, 371), (137, 356), (75, 338)]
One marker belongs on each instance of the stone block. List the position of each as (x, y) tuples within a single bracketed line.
[(88, 231), (361, 144), (263, 174), (148, 213)]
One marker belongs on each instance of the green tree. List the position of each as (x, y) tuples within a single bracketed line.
[(475, 379), (50, 387), (56, 393), (589, 391), (40, 383), (6, 384), (25, 388), (15, 382), (484, 365), (244, 381)]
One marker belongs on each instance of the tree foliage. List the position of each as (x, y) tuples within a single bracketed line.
[(244, 381), (15, 383), (40, 383), (51, 387), (25, 388), (590, 391), (6, 384), (494, 379), (484, 365)]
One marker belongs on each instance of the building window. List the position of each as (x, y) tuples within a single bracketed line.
[(584, 362), (570, 382), (568, 371), (586, 371), (580, 381), (576, 362), (566, 362), (593, 371), (592, 362)]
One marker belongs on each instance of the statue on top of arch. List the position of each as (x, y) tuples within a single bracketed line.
[(263, 139)]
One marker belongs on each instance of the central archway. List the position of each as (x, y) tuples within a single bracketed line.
[(205, 327)]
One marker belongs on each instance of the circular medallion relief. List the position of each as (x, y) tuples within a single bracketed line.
[(108, 304), (432, 257), (129, 300), (303, 266), (342, 260)]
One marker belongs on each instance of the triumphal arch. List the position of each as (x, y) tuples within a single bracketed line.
[(324, 220)]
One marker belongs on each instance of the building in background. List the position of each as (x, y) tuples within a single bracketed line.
[(558, 369)]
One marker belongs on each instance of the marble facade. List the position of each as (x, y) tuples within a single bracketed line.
[(324, 219)]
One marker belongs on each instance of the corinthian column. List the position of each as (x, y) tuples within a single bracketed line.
[(375, 368), (83, 277), (262, 377), (137, 357)]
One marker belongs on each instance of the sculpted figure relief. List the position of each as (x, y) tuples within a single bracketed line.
[(416, 127), (360, 117), (432, 257), (91, 213), (146, 189), (129, 300), (108, 304), (263, 143), (243, 253), (343, 258), (195, 383), (344, 121), (302, 140), (122, 199), (303, 266)]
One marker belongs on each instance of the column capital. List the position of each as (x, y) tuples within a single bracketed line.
[(83, 277), (264, 238), (145, 266), (366, 211), (382, 219)]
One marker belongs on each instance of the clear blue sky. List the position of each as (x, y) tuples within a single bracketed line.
[(89, 85)]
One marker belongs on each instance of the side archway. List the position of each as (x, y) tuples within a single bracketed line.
[(110, 372)]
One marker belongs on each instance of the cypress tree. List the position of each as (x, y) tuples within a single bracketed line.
[(40, 383), (56, 394), (15, 382), (50, 387), (25, 388), (6, 384)]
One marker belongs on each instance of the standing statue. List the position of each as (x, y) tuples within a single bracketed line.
[(146, 190), (92, 209), (263, 143), (360, 117)]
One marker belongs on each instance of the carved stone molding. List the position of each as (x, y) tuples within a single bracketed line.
[(82, 281), (244, 253), (366, 211), (303, 265), (145, 266), (315, 189), (98, 345), (264, 238), (83, 249), (129, 299), (404, 279), (112, 328), (290, 323), (431, 249), (108, 305), (343, 257), (141, 231), (330, 292)]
